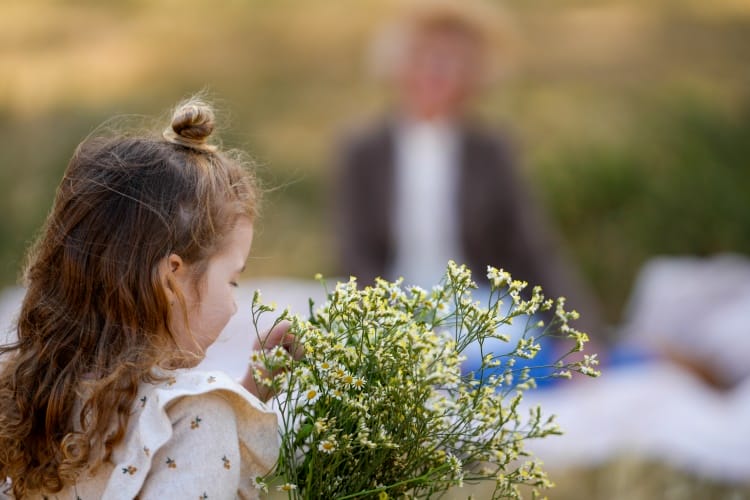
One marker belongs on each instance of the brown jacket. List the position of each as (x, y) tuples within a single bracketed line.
[(500, 224)]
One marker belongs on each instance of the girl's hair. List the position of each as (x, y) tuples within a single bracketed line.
[(95, 318)]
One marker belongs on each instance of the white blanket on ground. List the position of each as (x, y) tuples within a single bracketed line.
[(653, 411)]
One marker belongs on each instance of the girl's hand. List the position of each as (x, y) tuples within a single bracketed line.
[(277, 336)]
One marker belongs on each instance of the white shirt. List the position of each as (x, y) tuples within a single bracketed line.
[(426, 207)]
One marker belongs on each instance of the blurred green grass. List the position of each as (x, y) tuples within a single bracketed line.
[(679, 186), (631, 116)]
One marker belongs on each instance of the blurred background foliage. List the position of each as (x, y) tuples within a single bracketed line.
[(632, 117)]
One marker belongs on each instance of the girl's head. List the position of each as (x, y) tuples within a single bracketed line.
[(134, 269), (136, 225)]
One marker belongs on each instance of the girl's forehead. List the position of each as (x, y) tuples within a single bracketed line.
[(239, 239)]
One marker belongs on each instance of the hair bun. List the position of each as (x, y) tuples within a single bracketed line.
[(192, 124)]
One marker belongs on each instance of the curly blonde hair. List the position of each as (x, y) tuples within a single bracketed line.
[(95, 320)]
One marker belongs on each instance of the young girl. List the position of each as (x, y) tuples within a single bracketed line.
[(130, 282)]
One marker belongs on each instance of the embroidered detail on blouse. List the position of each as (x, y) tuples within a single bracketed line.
[(157, 434), (196, 422), (129, 470)]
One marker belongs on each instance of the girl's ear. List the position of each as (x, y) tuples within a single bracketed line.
[(171, 270), (175, 263)]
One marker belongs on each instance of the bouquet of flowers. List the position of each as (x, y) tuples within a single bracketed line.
[(379, 407)]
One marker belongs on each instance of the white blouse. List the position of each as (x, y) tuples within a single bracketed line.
[(196, 435)]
